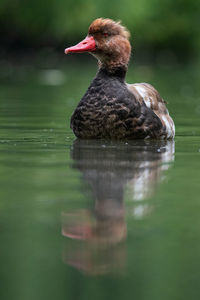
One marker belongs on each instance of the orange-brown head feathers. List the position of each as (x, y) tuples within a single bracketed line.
[(108, 41), (113, 48), (108, 26)]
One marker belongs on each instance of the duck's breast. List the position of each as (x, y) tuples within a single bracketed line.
[(111, 109)]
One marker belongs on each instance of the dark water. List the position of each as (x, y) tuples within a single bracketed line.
[(97, 220)]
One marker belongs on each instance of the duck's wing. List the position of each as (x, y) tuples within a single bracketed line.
[(144, 92)]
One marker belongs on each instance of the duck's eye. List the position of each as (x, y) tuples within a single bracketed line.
[(105, 34)]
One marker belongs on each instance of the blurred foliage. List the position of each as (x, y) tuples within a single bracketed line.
[(171, 24)]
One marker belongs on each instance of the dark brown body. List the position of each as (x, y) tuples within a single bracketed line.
[(110, 110)]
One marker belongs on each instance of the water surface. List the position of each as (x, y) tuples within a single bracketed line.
[(95, 219)]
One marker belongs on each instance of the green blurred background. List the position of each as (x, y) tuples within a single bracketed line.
[(40, 178), (160, 30)]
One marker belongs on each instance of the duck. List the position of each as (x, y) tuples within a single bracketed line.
[(111, 108)]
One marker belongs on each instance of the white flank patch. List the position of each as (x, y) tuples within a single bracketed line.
[(168, 122), (173, 129), (143, 94), (147, 102), (170, 132), (140, 90)]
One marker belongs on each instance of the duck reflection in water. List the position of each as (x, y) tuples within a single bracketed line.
[(109, 168)]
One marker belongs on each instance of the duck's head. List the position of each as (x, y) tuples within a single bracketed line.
[(108, 41)]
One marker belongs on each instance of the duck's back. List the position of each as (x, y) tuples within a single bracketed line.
[(147, 93), (110, 109)]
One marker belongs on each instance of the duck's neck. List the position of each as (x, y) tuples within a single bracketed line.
[(118, 72)]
